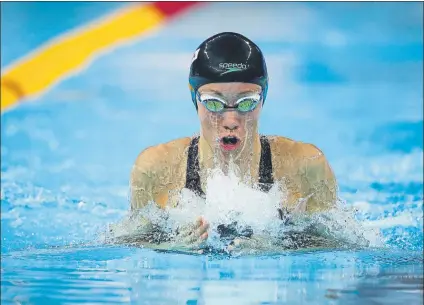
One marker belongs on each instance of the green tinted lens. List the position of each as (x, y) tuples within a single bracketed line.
[(213, 105), (247, 105)]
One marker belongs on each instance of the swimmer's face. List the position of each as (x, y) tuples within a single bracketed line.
[(229, 129)]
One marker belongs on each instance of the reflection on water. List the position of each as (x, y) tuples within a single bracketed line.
[(392, 288), (345, 77), (122, 275)]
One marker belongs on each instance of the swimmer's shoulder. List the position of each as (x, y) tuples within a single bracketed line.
[(294, 150), (157, 170), (293, 159), (163, 155), (304, 166)]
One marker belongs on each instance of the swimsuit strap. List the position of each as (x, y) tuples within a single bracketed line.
[(265, 166), (193, 168)]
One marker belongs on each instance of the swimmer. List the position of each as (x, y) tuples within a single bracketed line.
[(228, 82)]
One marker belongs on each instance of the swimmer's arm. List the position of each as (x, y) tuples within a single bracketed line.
[(143, 180), (140, 188), (319, 185)]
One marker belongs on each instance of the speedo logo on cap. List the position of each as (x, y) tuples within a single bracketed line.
[(232, 67)]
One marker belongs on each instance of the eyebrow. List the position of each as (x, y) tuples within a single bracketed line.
[(222, 95)]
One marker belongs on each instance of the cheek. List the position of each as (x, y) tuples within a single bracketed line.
[(208, 120), (250, 120), (253, 117), (246, 124), (202, 115), (256, 113)]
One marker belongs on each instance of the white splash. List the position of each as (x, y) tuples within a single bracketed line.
[(229, 200)]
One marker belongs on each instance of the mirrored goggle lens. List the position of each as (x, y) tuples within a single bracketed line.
[(213, 105), (245, 104)]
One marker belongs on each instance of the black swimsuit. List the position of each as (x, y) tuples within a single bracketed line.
[(193, 177)]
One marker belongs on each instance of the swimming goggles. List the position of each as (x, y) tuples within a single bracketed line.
[(215, 104)]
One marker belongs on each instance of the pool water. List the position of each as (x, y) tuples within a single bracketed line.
[(344, 76)]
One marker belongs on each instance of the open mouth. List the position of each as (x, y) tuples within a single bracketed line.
[(230, 142)]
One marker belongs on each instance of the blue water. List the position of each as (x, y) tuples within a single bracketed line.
[(347, 77)]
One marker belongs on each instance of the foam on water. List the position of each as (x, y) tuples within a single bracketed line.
[(231, 202)]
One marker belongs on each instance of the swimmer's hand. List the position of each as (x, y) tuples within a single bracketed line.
[(284, 215), (192, 236)]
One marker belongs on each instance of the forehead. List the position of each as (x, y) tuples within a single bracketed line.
[(230, 88)]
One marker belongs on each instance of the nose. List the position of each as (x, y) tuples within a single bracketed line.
[(231, 121)]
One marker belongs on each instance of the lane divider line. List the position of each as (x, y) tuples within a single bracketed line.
[(70, 52)]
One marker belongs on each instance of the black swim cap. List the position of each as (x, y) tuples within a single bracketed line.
[(227, 57)]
